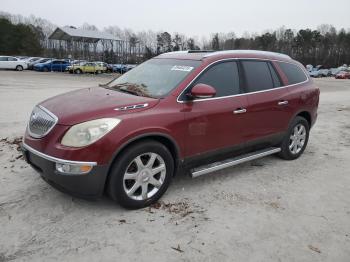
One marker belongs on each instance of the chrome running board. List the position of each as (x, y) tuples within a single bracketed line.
[(202, 170)]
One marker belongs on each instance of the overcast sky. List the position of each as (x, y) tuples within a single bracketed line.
[(195, 17)]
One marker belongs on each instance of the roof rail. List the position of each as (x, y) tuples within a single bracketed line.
[(188, 52), (175, 52), (201, 51), (258, 52)]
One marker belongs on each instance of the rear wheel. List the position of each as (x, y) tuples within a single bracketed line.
[(296, 139), (141, 174), (46, 69), (78, 71), (19, 68), (98, 72)]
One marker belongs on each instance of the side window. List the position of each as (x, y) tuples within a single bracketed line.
[(12, 59), (4, 58), (56, 62), (257, 76), (293, 73), (276, 80), (223, 77)]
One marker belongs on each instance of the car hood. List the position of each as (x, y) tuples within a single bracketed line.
[(93, 103)]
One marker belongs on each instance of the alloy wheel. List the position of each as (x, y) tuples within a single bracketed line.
[(297, 139), (144, 176)]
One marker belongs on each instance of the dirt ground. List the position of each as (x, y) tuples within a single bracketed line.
[(265, 210)]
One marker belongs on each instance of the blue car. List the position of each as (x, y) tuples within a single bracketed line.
[(122, 68), (52, 65)]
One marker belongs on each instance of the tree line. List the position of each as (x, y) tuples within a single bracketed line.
[(322, 46)]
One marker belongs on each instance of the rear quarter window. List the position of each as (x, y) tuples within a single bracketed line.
[(293, 73)]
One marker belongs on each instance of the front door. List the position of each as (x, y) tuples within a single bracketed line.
[(215, 125)]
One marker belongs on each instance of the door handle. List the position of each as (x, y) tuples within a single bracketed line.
[(282, 103), (240, 111)]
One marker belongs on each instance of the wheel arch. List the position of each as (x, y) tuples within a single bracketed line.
[(305, 114), (162, 138)]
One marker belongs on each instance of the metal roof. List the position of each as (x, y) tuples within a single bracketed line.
[(71, 33)]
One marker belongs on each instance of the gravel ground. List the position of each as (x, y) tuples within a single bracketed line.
[(265, 210)]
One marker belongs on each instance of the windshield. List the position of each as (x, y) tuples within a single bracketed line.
[(155, 77)]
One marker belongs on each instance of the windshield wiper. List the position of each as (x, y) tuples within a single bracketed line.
[(127, 91), (134, 89)]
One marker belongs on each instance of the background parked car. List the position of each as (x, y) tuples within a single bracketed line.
[(41, 60), (31, 59), (121, 68), (118, 68), (87, 67), (11, 62), (107, 67), (343, 75), (318, 71), (103, 65), (52, 65)]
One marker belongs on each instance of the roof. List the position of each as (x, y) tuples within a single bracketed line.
[(71, 33), (198, 55)]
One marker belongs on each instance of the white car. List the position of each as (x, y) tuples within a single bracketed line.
[(11, 62)]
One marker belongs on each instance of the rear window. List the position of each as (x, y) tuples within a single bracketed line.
[(293, 73), (257, 76)]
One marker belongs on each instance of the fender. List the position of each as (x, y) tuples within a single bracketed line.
[(143, 136)]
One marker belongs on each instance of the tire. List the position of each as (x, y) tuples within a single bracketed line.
[(78, 71), (98, 72), (132, 163), (299, 130), (19, 68), (46, 69)]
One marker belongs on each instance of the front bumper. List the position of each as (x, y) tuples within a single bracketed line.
[(89, 185)]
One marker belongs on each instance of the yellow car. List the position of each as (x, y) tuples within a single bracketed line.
[(87, 67)]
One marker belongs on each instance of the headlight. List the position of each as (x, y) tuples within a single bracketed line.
[(88, 132)]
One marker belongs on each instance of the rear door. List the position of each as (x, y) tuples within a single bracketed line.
[(12, 62), (212, 126), (268, 112), (57, 66), (89, 68)]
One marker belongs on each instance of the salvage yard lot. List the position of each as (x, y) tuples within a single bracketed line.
[(265, 210)]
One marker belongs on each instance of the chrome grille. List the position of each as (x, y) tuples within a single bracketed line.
[(41, 122)]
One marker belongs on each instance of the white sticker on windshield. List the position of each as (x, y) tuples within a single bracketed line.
[(182, 68)]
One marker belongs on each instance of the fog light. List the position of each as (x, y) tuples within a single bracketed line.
[(73, 169)]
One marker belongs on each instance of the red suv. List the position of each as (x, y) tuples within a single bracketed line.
[(196, 111)]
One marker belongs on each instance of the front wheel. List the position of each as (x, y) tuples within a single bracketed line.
[(296, 139), (141, 174)]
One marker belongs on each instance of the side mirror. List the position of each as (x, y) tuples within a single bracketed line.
[(202, 91)]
